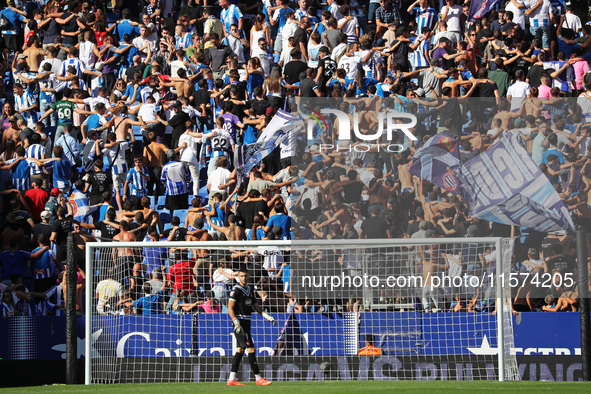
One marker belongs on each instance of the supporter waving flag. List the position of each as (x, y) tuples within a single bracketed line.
[(247, 156), (504, 185), (80, 204)]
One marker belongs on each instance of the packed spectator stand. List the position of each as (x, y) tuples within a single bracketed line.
[(120, 122)]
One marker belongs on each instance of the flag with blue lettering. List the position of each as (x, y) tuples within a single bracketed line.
[(479, 8), (437, 162), (504, 185)]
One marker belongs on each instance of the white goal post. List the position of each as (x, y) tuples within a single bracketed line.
[(389, 309)]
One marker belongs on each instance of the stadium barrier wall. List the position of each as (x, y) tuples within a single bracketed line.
[(531, 368), (44, 338)]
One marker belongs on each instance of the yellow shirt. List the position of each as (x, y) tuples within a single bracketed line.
[(214, 25)]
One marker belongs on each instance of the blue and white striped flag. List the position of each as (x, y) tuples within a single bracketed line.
[(81, 207), (248, 156)]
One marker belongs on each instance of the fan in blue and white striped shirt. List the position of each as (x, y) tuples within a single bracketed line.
[(183, 40), (421, 53), (36, 151), (425, 16), (73, 61), (25, 101), (21, 176), (175, 176), (136, 179)]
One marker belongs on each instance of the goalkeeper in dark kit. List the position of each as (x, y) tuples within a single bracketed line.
[(241, 304)]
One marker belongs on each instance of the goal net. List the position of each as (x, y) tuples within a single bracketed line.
[(413, 309)]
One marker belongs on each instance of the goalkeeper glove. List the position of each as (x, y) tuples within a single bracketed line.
[(237, 327), (269, 318)]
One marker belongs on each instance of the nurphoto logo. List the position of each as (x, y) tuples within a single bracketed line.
[(357, 126)]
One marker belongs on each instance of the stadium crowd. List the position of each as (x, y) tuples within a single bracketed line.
[(120, 122)]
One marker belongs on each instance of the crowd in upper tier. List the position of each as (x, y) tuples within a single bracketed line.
[(120, 122)]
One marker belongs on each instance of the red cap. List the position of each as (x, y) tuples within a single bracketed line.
[(270, 111), (55, 191)]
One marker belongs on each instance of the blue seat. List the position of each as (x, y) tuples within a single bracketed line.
[(137, 131), (152, 201), (167, 226), (204, 193), (182, 214), (161, 202), (164, 216)]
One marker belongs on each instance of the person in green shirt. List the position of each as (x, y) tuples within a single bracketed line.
[(500, 77), (65, 112)]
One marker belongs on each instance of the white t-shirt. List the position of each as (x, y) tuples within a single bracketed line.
[(56, 64), (265, 58), (218, 177), (338, 51), (453, 17), (518, 91), (272, 259), (147, 112), (191, 111), (447, 34), (86, 54), (107, 289), (518, 16), (562, 139), (222, 141), (365, 176), (350, 28), (219, 277), (529, 268), (189, 154), (541, 16), (375, 59), (176, 65), (139, 43), (571, 21), (493, 132), (334, 11), (349, 64), (286, 55), (313, 55), (288, 30), (312, 193), (525, 131), (93, 101)]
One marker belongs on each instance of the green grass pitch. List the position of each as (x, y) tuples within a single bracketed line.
[(424, 387)]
